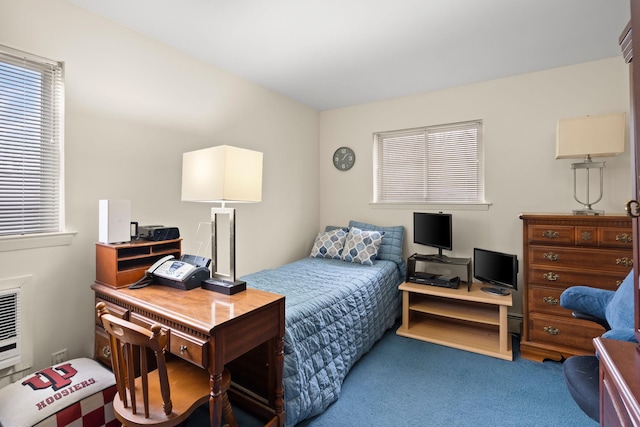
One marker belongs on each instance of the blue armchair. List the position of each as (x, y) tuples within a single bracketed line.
[(614, 310)]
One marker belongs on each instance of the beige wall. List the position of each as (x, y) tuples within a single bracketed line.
[(133, 106), (520, 114)]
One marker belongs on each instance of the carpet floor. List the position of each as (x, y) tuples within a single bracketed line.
[(406, 382)]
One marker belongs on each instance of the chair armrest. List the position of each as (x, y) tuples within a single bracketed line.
[(585, 316)]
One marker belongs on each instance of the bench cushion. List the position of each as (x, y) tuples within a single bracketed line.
[(77, 392)]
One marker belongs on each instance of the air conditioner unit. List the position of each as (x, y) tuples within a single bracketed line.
[(9, 327)]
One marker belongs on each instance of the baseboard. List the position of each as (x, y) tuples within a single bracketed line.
[(515, 323)]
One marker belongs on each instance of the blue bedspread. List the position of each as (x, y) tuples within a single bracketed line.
[(335, 312)]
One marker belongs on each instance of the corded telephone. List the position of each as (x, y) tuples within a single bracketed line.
[(175, 273)]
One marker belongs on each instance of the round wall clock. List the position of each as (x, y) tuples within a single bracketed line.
[(344, 158)]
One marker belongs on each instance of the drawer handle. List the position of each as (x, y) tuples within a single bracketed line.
[(551, 330), (106, 352), (632, 207), (183, 349), (550, 234), (550, 276), (585, 235), (551, 300), (624, 261), (624, 238), (551, 256)]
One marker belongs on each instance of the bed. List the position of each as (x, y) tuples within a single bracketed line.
[(339, 302)]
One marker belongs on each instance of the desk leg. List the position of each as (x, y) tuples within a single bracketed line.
[(215, 400), (279, 401)]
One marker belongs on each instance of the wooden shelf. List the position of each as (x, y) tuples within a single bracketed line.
[(464, 318), (119, 265)]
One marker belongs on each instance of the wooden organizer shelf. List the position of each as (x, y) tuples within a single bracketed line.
[(468, 320), (119, 265)]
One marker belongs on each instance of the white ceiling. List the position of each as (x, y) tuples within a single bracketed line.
[(334, 53)]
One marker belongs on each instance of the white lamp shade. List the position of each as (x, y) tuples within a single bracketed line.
[(222, 174), (597, 136)]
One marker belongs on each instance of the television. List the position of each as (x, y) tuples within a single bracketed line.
[(497, 269), (434, 230)]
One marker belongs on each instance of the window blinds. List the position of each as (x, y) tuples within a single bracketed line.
[(437, 164), (31, 101)]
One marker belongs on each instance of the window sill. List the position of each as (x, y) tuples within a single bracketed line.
[(34, 241), (433, 206)]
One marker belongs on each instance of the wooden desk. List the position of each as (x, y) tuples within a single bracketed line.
[(619, 382), (208, 329)]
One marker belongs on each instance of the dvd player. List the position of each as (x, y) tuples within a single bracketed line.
[(431, 279)]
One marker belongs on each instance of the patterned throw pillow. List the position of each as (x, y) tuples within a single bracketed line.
[(361, 246), (329, 244)]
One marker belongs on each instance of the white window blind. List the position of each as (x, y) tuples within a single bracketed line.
[(435, 164), (31, 102)]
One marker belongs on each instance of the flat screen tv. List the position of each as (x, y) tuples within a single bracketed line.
[(434, 230), (497, 269)]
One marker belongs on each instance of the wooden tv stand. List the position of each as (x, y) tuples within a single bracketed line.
[(467, 320)]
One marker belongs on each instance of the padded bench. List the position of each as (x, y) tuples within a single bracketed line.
[(77, 393)]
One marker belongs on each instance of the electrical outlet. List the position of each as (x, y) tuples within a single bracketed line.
[(59, 356)]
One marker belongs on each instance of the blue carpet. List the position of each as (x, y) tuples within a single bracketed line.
[(406, 382)]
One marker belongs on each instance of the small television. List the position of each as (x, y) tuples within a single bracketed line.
[(434, 230), (497, 269)]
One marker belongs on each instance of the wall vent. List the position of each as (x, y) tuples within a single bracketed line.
[(9, 327)]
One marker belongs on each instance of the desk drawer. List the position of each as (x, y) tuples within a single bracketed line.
[(102, 348), (187, 347)]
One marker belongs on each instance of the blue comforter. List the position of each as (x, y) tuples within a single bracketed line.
[(335, 311)]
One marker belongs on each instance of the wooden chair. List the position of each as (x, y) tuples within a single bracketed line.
[(164, 396)]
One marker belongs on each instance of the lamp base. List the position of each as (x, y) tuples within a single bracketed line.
[(226, 287), (594, 212)]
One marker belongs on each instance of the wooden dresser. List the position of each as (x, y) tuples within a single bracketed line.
[(562, 251)]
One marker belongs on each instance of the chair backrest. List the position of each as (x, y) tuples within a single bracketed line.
[(128, 342), (620, 311)]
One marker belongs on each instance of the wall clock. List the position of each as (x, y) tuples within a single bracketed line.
[(344, 158)]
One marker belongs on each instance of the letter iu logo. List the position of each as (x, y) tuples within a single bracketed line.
[(56, 378)]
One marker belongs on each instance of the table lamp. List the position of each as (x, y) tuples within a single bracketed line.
[(222, 174), (586, 137)]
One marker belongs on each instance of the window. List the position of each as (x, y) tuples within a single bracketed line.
[(31, 103), (435, 164)]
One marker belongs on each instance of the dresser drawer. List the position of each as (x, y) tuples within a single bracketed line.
[(563, 331), (563, 278), (551, 234), (620, 237), (184, 346), (543, 299), (581, 258)]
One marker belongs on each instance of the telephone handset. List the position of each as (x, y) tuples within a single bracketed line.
[(172, 272)]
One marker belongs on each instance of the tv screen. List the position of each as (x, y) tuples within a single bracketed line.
[(433, 229), (499, 270)]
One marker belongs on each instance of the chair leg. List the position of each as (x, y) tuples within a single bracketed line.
[(227, 410)]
